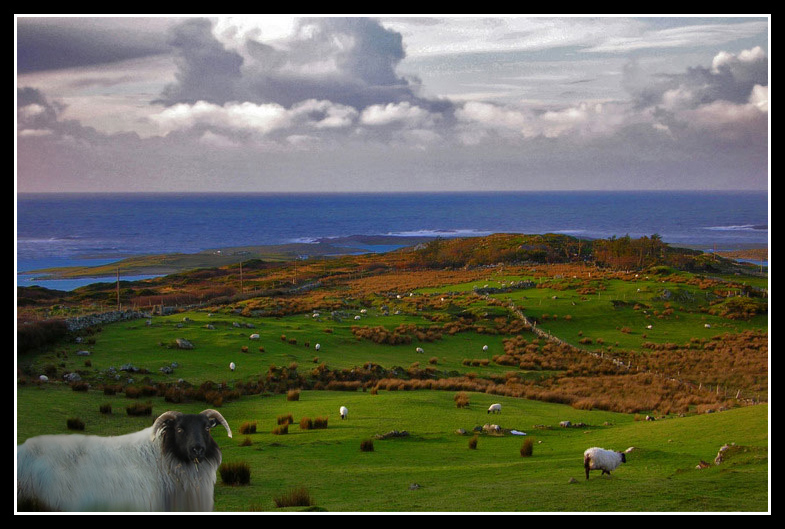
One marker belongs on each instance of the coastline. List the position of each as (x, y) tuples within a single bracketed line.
[(157, 265)]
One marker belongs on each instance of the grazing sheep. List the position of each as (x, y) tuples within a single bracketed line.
[(495, 408), (254, 337), (43, 378), (170, 466), (232, 366), (419, 350), (484, 347), (344, 412), (317, 346), (601, 459)]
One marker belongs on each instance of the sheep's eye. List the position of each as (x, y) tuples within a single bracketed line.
[(179, 430)]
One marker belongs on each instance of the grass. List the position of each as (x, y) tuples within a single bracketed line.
[(660, 474), (328, 464)]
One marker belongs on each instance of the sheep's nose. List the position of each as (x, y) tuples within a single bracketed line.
[(197, 451)]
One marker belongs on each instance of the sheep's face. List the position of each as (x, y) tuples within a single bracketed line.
[(623, 458), (187, 438)]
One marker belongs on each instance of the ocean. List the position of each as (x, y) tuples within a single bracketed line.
[(54, 230)]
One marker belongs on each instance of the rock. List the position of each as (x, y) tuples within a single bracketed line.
[(182, 343)]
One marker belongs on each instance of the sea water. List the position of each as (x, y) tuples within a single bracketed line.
[(54, 230)]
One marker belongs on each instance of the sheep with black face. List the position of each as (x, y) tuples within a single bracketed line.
[(170, 466)]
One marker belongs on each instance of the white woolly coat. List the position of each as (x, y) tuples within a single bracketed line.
[(121, 473), (602, 459)]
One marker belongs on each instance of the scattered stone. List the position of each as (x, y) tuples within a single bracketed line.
[(182, 343), (392, 433)]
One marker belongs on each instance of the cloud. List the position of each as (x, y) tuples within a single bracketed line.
[(348, 61), (46, 43), (267, 101)]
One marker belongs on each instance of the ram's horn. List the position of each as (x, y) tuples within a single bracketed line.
[(212, 414), (159, 423)]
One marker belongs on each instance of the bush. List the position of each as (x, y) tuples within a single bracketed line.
[(236, 473), (527, 447), (293, 394), (138, 409), (461, 399), (105, 408), (75, 423), (297, 497), (473, 443), (281, 430), (366, 445), (31, 336), (285, 419), (248, 427)]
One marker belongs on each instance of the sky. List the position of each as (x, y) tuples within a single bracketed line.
[(271, 103)]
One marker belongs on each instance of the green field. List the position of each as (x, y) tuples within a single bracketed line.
[(660, 474), (432, 469)]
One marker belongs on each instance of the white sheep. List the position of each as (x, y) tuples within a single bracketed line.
[(344, 412), (254, 337), (232, 366), (43, 378), (601, 459), (317, 346), (419, 350), (484, 347), (495, 408), (170, 466)]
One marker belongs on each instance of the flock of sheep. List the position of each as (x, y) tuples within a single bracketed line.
[(170, 466)]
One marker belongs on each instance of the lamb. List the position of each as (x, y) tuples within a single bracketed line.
[(601, 459), (232, 366), (495, 408), (170, 466), (344, 412)]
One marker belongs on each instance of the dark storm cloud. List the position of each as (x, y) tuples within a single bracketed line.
[(206, 71), (348, 61), (51, 43)]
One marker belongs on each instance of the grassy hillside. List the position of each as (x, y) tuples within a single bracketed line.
[(399, 338)]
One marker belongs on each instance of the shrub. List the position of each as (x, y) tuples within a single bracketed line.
[(297, 497), (527, 447), (293, 394), (105, 408), (366, 445), (285, 419), (306, 423), (139, 409), (74, 423), (235, 473), (461, 399), (320, 423), (283, 429), (246, 441), (248, 427), (34, 335), (473, 443), (80, 386)]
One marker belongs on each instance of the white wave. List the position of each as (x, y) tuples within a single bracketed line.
[(741, 227), (440, 233)]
